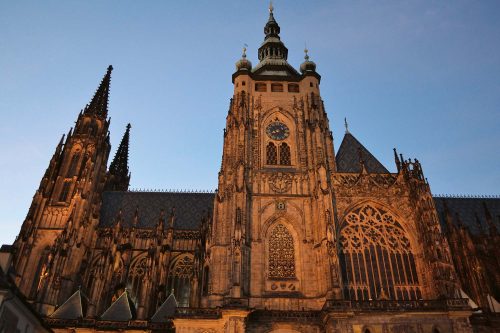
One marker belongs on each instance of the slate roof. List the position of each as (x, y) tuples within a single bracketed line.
[(122, 309), (348, 157), (75, 307), (189, 208), (470, 210), (166, 310)]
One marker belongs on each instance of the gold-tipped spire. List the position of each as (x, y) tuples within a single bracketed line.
[(271, 8)]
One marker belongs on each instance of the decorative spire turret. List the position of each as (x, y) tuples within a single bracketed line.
[(119, 176), (99, 103), (244, 63), (273, 47), (307, 65)]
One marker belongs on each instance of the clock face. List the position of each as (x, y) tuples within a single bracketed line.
[(277, 131)]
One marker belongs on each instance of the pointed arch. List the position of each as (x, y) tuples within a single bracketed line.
[(271, 154), (281, 258), (138, 269), (284, 154), (376, 255), (180, 275), (73, 164)]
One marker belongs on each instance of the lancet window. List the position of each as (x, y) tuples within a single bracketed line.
[(285, 154), (271, 154), (281, 254), (73, 165), (179, 279), (376, 257), (65, 191), (136, 276)]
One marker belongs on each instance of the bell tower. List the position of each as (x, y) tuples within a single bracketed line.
[(273, 216), (56, 236)]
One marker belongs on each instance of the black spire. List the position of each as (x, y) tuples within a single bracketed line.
[(99, 103), (119, 176)]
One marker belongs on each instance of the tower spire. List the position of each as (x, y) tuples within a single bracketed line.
[(119, 176), (99, 103)]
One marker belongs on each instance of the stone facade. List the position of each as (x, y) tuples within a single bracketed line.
[(295, 239)]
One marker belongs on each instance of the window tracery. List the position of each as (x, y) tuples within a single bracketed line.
[(285, 154), (179, 280), (136, 276), (281, 254), (376, 257), (271, 154)]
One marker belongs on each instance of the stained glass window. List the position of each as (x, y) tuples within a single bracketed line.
[(179, 280), (376, 257)]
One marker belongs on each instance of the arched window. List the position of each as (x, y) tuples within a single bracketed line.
[(436, 330), (73, 165), (136, 275), (205, 281), (179, 280), (285, 154), (281, 254), (376, 257), (65, 191), (271, 154)]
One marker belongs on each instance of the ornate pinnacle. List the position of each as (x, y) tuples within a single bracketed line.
[(99, 103)]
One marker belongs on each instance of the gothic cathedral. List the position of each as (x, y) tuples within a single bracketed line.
[(295, 239)]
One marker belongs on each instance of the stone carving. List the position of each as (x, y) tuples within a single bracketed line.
[(280, 182), (281, 254)]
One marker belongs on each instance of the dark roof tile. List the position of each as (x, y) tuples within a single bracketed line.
[(467, 209), (348, 157), (189, 208)]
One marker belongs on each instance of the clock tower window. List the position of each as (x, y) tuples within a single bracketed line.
[(271, 154), (284, 153)]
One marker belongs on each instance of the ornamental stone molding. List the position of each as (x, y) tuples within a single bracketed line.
[(280, 182)]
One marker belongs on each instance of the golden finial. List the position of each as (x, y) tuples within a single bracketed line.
[(244, 55), (271, 8)]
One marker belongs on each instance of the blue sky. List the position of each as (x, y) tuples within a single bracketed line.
[(422, 76)]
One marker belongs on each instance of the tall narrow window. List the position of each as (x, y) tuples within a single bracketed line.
[(205, 281), (285, 154), (271, 154), (376, 257), (179, 280), (136, 276), (65, 191), (281, 254), (73, 165)]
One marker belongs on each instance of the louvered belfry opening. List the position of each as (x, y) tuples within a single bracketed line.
[(376, 257)]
